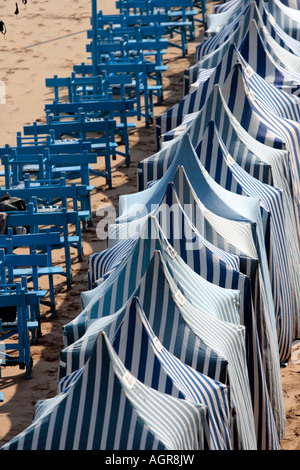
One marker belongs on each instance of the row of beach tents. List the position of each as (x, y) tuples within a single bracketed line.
[(194, 305)]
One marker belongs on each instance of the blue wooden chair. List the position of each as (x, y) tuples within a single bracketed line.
[(50, 195), (139, 71), (95, 108), (50, 169), (49, 192), (107, 47), (186, 10), (35, 266), (145, 42), (57, 222), (13, 262), (201, 5), (18, 330), (74, 86), (178, 22)]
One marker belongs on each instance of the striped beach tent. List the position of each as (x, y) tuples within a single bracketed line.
[(286, 18), (222, 243), (275, 65), (152, 168), (239, 23), (225, 171), (205, 263), (278, 33), (281, 37), (193, 102), (217, 200), (218, 21), (105, 408), (201, 256), (161, 295), (215, 230), (287, 106), (195, 130), (129, 330), (218, 203), (225, 6), (254, 115)]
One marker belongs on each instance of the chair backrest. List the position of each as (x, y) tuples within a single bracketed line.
[(28, 145), (15, 295), (78, 127), (110, 105), (35, 220), (58, 82)]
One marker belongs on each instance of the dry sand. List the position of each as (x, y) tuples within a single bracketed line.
[(48, 38)]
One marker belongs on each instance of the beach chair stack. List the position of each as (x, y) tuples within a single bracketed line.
[(193, 307)]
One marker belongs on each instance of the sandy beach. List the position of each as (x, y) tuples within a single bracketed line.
[(46, 39)]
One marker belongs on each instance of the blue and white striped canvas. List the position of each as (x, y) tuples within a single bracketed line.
[(291, 4), (129, 330), (209, 268), (225, 171), (105, 408), (219, 21), (265, 133), (287, 18), (288, 130), (269, 319), (285, 21), (281, 37), (160, 294), (276, 65)]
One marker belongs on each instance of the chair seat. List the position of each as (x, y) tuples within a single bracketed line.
[(83, 214), (13, 324), (67, 169), (71, 239), (41, 293), (102, 146), (32, 325), (161, 68)]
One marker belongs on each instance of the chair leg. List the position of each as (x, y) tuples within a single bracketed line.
[(52, 296)]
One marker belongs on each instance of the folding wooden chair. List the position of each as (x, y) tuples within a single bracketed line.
[(139, 70), (178, 21), (36, 266), (17, 331), (53, 195), (58, 221)]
